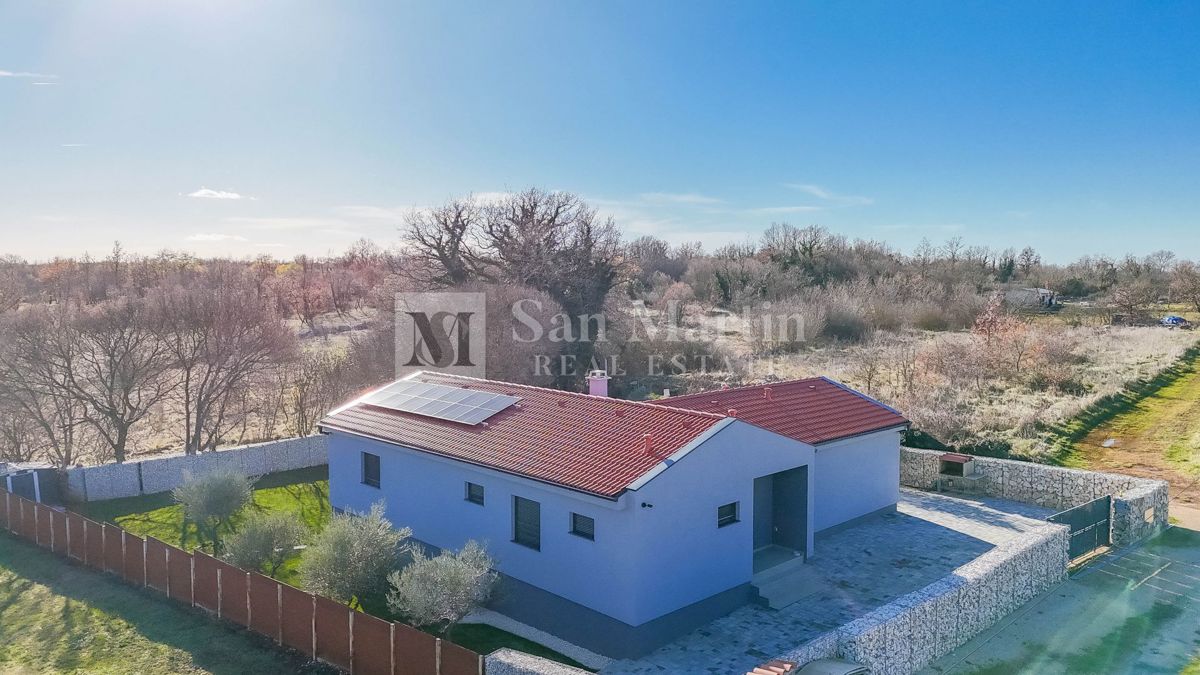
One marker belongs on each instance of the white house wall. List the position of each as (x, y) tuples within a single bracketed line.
[(426, 493), (682, 556), (856, 477), (644, 562)]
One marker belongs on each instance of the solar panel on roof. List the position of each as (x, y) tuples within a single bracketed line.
[(454, 404)]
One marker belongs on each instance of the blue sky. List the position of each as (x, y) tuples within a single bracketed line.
[(1072, 127)]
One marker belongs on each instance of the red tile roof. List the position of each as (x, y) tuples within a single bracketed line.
[(814, 410), (588, 443)]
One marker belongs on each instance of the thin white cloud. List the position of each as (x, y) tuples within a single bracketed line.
[(212, 236), (207, 193), (679, 198), (788, 209), (27, 75), (829, 195), (44, 84), (72, 145)]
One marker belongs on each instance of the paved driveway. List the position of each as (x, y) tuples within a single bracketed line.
[(862, 568), (1136, 611)]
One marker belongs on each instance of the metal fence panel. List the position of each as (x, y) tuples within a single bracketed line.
[(28, 520), (331, 629), (134, 566), (76, 537), (114, 556), (94, 534), (58, 531), (157, 575), (1090, 523), (179, 574), (41, 515), (371, 652), (296, 613), (459, 660), (234, 584), (264, 605), (415, 652), (4, 523), (205, 593)]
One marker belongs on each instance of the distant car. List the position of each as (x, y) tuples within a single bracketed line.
[(1175, 322), (833, 667)]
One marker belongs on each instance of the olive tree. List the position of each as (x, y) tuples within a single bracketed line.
[(264, 542), (210, 500), (352, 556), (440, 591)]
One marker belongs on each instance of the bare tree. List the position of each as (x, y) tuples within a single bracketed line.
[(319, 381), (1185, 281), (116, 364), (12, 281), (441, 243), (220, 339), (553, 242), (32, 381), (1134, 296)]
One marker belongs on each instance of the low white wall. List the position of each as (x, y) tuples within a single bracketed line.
[(1139, 504), (166, 472)]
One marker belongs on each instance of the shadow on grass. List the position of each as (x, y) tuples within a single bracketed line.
[(74, 640), (1064, 437)]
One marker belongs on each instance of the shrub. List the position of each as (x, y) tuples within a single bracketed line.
[(438, 592), (932, 318), (264, 542), (845, 324), (988, 447), (351, 557), (212, 499)]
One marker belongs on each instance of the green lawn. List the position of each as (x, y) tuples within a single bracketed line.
[(57, 617), (306, 493)]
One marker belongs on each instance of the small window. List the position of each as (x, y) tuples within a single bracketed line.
[(475, 493), (727, 514), (370, 469), (527, 523), (583, 526)]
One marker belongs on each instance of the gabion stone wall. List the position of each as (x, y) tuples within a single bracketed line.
[(166, 472), (824, 646), (1139, 513), (1139, 504), (914, 630), (511, 662)]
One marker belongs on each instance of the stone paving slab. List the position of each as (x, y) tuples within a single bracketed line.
[(865, 567)]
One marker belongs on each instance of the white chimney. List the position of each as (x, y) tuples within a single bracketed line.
[(598, 383)]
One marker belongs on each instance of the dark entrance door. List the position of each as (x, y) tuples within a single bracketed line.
[(789, 508)]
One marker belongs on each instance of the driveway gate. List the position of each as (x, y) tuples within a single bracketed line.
[(1091, 525)]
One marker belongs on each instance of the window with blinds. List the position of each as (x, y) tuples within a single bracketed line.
[(527, 523), (370, 469), (727, 514), (583, 526), (475, 493)]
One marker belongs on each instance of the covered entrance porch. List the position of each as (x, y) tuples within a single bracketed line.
[(780, 518)]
